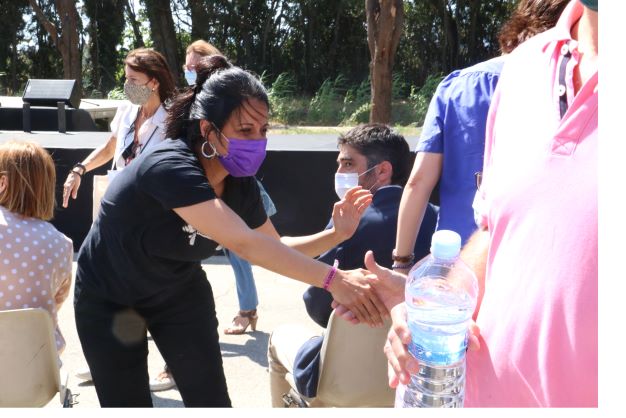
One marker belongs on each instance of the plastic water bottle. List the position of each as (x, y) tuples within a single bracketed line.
[(440, 296)]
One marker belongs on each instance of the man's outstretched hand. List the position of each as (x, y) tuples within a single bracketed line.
[(389, 287)]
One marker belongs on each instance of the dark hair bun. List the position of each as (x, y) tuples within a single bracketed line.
[(208, 66)]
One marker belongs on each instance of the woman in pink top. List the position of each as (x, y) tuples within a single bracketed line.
[(35, 258), (536, 255)]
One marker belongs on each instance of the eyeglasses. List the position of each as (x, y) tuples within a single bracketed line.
[(131, 151), (478, 176), (133, 148)]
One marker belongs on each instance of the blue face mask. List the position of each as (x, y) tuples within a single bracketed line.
[(591, 4), (190, 76)]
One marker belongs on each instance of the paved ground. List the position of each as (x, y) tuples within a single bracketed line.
[(245, 358)]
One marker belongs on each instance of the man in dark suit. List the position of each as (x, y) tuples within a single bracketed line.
[(379, 160)]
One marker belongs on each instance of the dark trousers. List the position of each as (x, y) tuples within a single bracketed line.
[(184, 328)]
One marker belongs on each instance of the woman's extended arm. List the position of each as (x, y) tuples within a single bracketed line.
[(215, 219)]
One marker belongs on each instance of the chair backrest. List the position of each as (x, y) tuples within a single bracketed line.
[(29, 369), (353, 368)]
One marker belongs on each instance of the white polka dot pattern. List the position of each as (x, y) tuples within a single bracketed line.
[(35, 265)]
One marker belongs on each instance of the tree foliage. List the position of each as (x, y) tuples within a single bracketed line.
[(61, 21), (11, 32), (105, 29), (311, 41)]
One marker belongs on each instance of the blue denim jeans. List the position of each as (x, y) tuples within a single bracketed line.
[(246, 288)]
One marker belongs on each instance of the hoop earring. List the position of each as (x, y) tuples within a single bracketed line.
[(204, 153)]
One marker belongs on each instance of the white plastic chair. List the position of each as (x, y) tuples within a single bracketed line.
[(29, 368), (353, 369)]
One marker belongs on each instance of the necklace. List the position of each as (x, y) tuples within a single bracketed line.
[(144, 113)]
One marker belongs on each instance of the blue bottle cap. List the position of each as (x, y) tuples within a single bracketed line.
[(445, 244)]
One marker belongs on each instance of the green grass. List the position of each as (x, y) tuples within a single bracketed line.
[(295, 130)]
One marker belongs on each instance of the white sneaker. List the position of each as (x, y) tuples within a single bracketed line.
[(164, 381), (84, 374)]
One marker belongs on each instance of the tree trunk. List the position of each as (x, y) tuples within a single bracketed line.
[(473, 53), (106, 25), (334, 46), (199, 20), (94, 49), (163, 33), (130, 12), (14, 59), (267, 26), (65, 37), (385, 20), (450, 50), (309, 49)]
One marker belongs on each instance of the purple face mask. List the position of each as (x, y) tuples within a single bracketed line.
[(244, 157)]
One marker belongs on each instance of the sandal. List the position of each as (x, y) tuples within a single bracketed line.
[(163, 381), (84, 374), (241, 322)]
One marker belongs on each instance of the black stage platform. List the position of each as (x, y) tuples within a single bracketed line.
[(298, 173)]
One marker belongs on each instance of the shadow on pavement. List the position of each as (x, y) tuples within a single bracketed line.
[(255, 348), (159, 402)]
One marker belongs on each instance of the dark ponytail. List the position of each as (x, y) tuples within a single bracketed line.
[(178, 108), (207, 66), (220, 89)]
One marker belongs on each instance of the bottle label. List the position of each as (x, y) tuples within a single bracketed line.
[(423, 354)]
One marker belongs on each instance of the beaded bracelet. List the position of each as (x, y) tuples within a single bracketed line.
[(397, 266), (402, 258), (331, 275)]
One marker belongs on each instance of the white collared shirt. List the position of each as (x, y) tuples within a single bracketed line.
[(152, 131)]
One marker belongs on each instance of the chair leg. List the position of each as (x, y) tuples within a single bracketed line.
[(291, 401), (69, 399)]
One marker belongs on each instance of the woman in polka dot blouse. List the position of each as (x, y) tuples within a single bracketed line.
[(35, 258)]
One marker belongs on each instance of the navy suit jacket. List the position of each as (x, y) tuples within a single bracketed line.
[(376, 232)]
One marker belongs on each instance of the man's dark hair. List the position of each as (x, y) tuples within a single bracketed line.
[(378, 143)]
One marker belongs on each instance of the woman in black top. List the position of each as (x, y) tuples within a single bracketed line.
[(140, 266)]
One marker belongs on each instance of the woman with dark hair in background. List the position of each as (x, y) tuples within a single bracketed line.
[(137, 125), (176, 204)]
